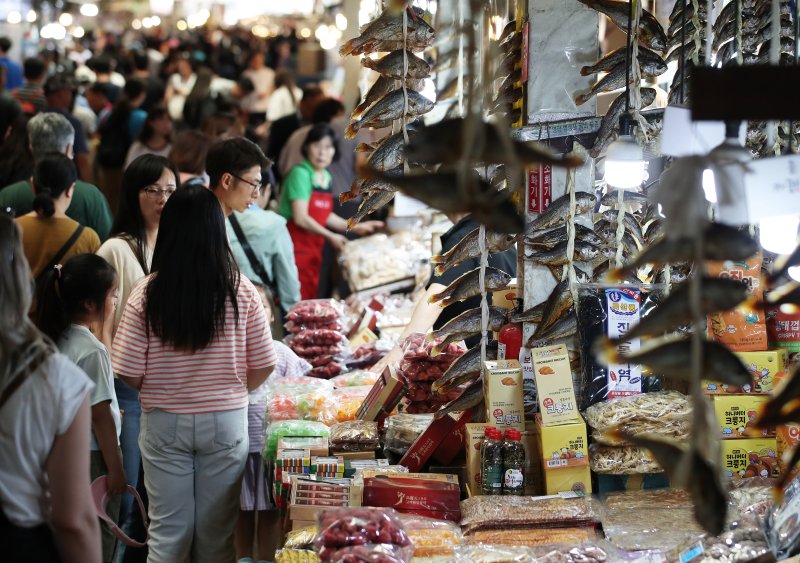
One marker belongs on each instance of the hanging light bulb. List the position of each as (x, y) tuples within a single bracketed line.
[(794, 273), (779, 234), (625, 164), (709, 186), (726, 187)]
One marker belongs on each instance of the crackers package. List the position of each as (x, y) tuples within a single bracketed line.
[(741, 329)]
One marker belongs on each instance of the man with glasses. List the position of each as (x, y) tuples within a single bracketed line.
[(52, 132), (234, 168)]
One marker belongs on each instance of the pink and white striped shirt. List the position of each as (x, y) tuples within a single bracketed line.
[(209, 380)]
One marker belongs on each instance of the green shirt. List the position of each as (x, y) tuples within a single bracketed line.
[(89, 206), (299, 184)]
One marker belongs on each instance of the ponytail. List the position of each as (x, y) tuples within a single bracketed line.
[(63, 292), (43, 203)]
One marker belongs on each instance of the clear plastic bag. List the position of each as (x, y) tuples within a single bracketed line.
[(276, 430), (301, 539), (493, 554), (319, 337), (532, 537), (315, 311), (295, 380), (295, 404), (328, 370), (348, 400), (742, 542), (403, 429), (355, 436), (587, 552), (368, 355), (750, 496), (303, 326), (664, 413), (601, 310), (356, 378), (648, 498), (622, 460), (492, 512), (783, 522), (295, 556), (371, 553), (346, 527), (432, 538)]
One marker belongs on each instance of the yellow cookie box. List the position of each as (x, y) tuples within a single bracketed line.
[(767, 369), (751, 457), (736, 415)]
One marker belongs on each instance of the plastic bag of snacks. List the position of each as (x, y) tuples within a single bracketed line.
[(493, 554), (329, 368), (318, 342), (315, 312), (309, 399), (348, 400), (622, 460), (369, 354), (302, 326), (347, 527), (356, 378), (355, 436), (279, 382), (370, 553), (295, 556), (403, 429), (301, 539), (276, 430), (431, 537), (421, 369), (663, 413)]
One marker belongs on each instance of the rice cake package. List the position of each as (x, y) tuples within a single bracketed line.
[(741, 329)]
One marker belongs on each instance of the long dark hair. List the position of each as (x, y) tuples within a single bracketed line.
[(62, 296), (16, 160), (53, 174), (284, 78), (147, 129), (120, 114), (318, 132), (129, 224), (194, 272)]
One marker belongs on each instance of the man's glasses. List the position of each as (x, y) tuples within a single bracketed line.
[(156, 194), (256, 186)]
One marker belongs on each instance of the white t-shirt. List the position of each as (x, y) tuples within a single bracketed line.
[(280, 103), (138, 148), (264, 82), (118, 253), (181, 89), (43, 407), (82, 347)]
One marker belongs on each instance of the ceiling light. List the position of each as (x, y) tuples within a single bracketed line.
[(31, 16), (779, 234), (78, 32), (65, 19), (341, 21), (14, 17), (89, 10)]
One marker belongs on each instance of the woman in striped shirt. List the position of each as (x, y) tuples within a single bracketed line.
[(194, 339)]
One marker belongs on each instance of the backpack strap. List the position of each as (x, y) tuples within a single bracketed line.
[(57, 257)]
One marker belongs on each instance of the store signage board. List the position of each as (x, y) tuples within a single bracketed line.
[(684, 137), (540, 188), (772, 187), (746, 92)]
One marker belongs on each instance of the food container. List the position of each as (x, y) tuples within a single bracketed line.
[(737, 414), (554, 385), (768, 369), (504, 402), (752, 457)]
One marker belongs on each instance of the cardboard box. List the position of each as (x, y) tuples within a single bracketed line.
[(576, 479), (437, 432), (350, 456), (506, 298), (736, 415), (768, 369), (437, 477), (503, 388), (416, 496), (563, 446), (534, 478), (750, 457), (300, 524), (453, 446), (317, 445), (475, 433), (383, 398), (788, 438), (306, 513), (556, 394)]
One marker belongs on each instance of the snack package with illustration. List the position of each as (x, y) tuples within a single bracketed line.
[(742, 329)]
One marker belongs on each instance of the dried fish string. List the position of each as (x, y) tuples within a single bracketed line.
[(738, 35), (620, 227), (774, 57), (709, 31), (636, 75), (570, 266), (405, 90), (482, 286), (697, 32)]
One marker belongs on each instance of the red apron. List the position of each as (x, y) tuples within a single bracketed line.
[(308, 246)]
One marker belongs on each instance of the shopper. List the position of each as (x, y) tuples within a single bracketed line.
[(155, 137), (71, 302), (265, 233), (263, 79), (179, 86), (99, 103), (307, 203), (154, 85), (60, 95), (50, 237), (31, 94), (284, 98), (48, 133), (13, 71), (47, 514), (235, 169), (194, 340), (282, 129), (16, 160), (188, 154), (116, 137)]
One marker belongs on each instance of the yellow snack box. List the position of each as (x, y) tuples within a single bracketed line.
[(751, 457), (475, 433), (767, 368), (576, 479), (554, 388), (736, 415), (564, 445), (504, 405), (788, 438)]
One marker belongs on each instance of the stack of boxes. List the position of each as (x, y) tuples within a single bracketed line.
[(747, 452)]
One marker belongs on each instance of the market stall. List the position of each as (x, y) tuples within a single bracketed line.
[(632, 395)]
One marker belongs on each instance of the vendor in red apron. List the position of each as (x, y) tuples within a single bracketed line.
[(307, 204)]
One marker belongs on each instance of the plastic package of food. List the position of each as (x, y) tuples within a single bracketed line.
[(493, 554), (327, 371), (348, 400), (608, 312), (750, 496), (622, 460), (664, 413), (420, 369), (370, 553), (492, 512), (648, 498), (295, 556), (277, 383), (595, 551), (432, 538), (677, 429), (403, 429), (743, 541), (783, 522), (355, 378), (315, 311), (650, 520), (276, 430), (319, 337), (531, 537), (355, 436), (302, 326), (368, 355), (301, 539), (345, 527), (299, 403)]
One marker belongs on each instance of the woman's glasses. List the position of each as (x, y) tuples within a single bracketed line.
[(156, 194)]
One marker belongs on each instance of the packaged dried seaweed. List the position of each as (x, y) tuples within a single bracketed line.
[(622, 460), (492, 512)]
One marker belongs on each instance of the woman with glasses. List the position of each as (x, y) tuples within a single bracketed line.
[(307, 204), (146, 185), (194, 339)]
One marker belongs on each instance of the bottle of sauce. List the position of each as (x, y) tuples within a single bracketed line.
[(513, 463), (492, 462), (509, 341)]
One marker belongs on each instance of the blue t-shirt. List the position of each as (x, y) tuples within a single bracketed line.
[(13, 73)]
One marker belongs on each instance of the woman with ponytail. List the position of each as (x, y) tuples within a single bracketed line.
[(46, 509), (49, 236)]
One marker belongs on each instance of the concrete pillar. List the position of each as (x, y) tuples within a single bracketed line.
[(352, 65)]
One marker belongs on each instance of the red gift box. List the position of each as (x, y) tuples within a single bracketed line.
[(415, 496), (435, 437)]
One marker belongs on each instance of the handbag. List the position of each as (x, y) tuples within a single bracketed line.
[(267, 282)]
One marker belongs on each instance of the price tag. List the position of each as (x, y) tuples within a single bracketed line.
[(772, 187)]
